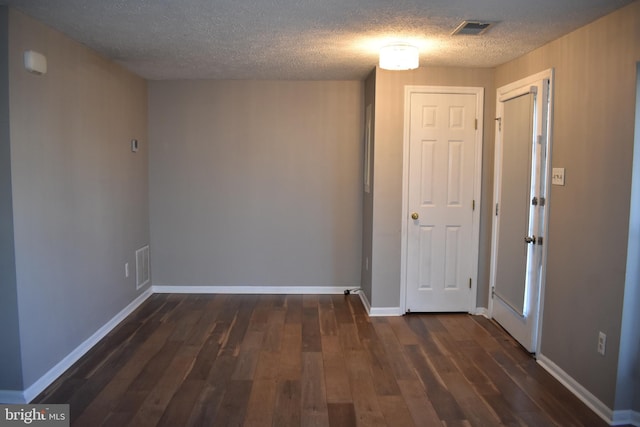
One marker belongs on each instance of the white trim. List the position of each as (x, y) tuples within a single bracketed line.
[(532, 79), (378, 311), (385, 311), (621, 418), (596, 405), (481, 311), (365, 302), (291, 290), (516, 92), (44, 381), (477, 189)]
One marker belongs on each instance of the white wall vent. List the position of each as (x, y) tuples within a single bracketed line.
[(142, 267)]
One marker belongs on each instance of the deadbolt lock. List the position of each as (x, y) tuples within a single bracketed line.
[(531, 239)]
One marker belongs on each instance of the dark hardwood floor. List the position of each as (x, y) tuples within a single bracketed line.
[(292, 360)]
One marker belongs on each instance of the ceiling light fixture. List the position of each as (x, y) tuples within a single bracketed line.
[(399, 56)]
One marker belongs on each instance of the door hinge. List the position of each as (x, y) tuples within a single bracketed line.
[(538, 201), (493, 291), (469, 282), (476, 124), (473, 205), (499, 120), (496, 209)]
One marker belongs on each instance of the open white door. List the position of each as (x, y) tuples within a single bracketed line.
[(442, 173), (520, 199)]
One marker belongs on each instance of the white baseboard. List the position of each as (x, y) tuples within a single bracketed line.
[(44, 381), (596, 405), (290, 290), (385, 311), (621, 418), (481, 311), (378, 311), (365, 301)]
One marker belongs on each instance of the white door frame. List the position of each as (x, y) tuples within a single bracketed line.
[(477, 186), (503, 93)]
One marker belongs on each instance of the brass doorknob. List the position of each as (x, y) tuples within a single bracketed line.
[(415, 215)]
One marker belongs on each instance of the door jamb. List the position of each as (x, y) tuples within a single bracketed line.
[(477, 187)]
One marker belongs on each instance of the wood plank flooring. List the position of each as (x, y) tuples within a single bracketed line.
[(293, 360)]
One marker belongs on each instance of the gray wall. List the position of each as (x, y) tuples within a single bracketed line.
[(10, 362), (79, 194), (593, 133), (256, 183), (387, 195)]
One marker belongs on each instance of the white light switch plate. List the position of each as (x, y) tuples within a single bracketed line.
[(557, 176)]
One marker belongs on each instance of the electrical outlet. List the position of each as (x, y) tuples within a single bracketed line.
[(602, 343), (126, 269)]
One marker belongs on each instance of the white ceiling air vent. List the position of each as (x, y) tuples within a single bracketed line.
[(472, 28)]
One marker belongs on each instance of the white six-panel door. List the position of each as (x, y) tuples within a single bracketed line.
[(442, 175)]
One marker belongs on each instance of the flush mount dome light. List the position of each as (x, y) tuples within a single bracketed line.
[(399, 56)]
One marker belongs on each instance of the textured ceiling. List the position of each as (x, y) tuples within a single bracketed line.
[(304, 39)]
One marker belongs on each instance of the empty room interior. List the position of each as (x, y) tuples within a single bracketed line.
[(244, 213)]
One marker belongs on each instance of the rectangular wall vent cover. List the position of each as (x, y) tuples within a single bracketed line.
[(142, 267), (472, 28)]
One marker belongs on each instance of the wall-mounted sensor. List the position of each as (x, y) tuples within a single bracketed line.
[(35, 62), (134, 145)]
